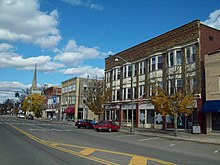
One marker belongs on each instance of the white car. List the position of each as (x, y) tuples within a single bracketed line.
[(20, 115)]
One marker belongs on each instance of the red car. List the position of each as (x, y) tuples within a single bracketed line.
[(85, 123), (106, 126)]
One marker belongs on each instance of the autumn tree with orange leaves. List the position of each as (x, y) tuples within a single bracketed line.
[(97, 96), (180, 102)]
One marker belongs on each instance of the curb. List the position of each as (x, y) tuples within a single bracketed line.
[(169, 137)]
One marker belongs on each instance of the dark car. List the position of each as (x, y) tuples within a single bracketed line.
[(85, 123), (106, 126), (30, 117)]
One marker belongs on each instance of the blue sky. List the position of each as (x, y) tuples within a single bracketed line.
[(68, 38)]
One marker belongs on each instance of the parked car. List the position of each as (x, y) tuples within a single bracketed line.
[(21, 115), (106, 126), (85, 123), (30, 117)]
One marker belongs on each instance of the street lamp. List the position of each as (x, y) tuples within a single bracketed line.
[(132, 97)]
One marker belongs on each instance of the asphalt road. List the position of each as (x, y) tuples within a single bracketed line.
[(39, 142)]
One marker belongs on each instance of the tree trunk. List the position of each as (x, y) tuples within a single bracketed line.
[(175, 125)]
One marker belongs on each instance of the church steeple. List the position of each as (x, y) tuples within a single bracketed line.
[(34, 89), (34, 82)]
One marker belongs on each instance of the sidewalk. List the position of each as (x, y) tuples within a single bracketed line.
[(169, 134)]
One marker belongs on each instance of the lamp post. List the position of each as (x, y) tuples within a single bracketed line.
[(132, 97)]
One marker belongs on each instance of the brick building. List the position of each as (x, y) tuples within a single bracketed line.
[(154, 61), (52, 103)]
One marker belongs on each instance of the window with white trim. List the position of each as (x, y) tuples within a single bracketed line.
[(129, 70), (178, 57), (124, 71), (190, 54)]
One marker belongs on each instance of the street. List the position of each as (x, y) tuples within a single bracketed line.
[(44, 142)]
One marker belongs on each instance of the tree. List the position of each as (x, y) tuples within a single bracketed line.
[(178, 99), (33, 103), (8, 105), (96, 96)]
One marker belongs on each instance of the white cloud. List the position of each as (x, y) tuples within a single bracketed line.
[(84, 71), (8, 90), (74, 55), (10, 59), (214, 19), (4, 47), (23, 21), (84, 3)]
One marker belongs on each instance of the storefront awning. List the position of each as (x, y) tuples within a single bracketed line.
[(211, 106), (69, 110)]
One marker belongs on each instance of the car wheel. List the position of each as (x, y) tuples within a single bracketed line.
[(109, 130), (97, 130), (78, 127)]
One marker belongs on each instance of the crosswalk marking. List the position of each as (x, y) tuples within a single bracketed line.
[(148, 139)]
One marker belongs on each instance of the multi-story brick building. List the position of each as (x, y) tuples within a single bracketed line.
[(52, 103), (73, 99), (154, 61), (211, 107)]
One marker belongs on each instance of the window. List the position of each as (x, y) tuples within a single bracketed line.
[(187, 55), (74, 87), (71, 99), (141, 89), (118, 95), (114, 74), (129, 93), (118, 73), (193, 53), (178, 57), (124, 93), (125, 70), (153, 64), (172, 85), (129, 70), (135, 69), (113, 95), (193, 84), (179, 85), (141, 70), (160, 84), (171, 59), (134, 92), (108, 77), (144, 70), (160, 62)]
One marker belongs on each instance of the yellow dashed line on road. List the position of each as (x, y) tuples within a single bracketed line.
[(86, 152), (136, 160)]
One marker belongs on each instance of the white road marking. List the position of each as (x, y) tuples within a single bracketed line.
[(41, 128), (148, 139), (171, 145), (54, 129), (216, 151), (31, 129), (120, 136)]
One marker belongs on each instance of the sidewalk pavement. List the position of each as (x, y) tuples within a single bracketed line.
[(169, 134)]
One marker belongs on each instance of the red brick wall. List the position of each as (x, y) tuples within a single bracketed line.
[(207, 45)]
